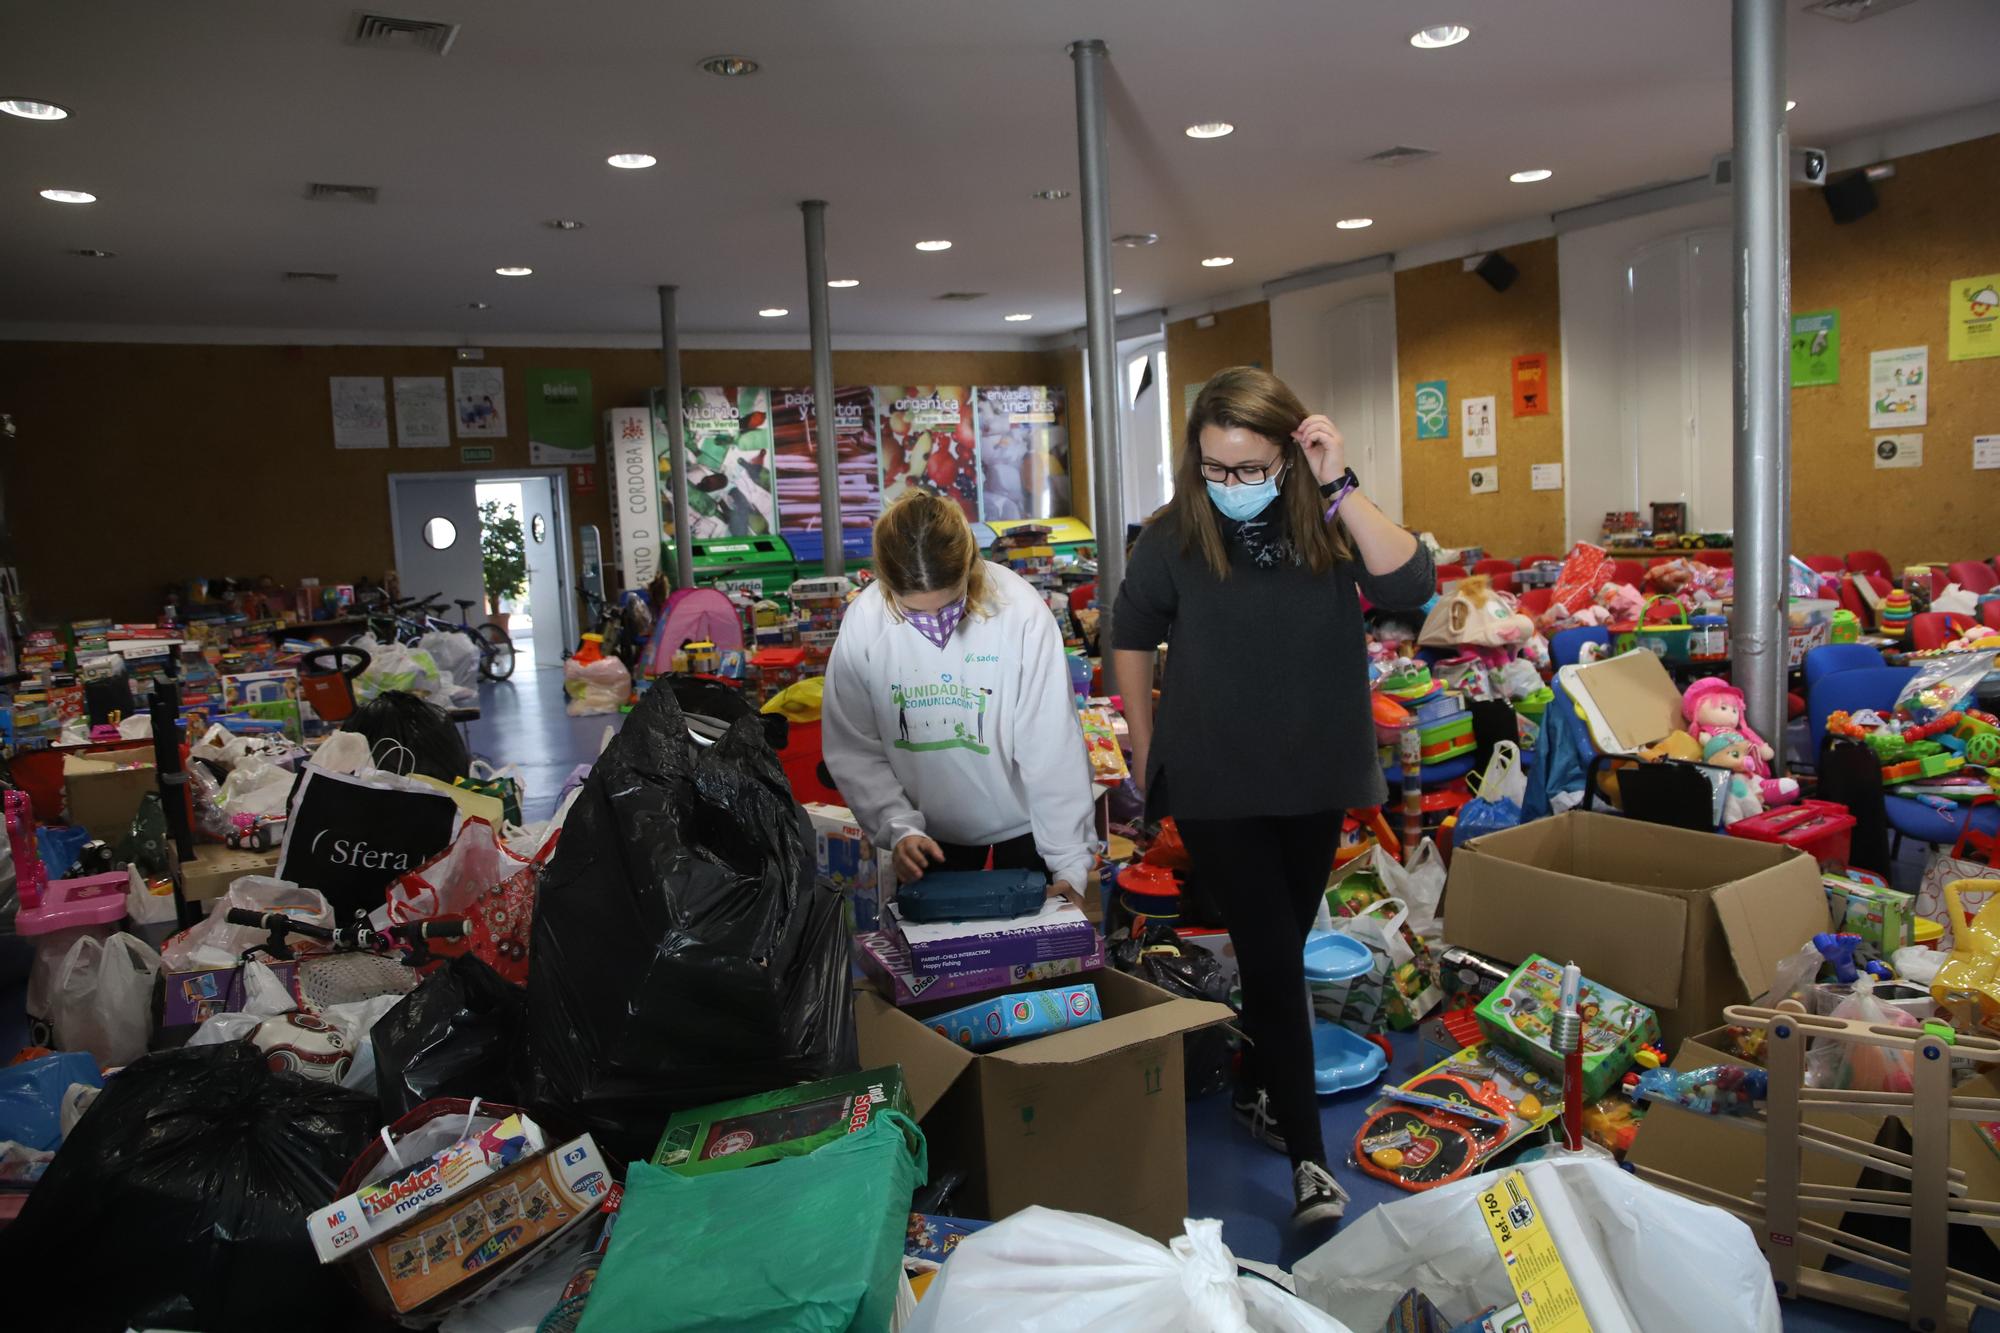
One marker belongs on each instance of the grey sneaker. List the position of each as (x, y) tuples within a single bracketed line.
[(1318, 1197), (1254, 1111)]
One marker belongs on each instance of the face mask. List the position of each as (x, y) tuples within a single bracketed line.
[(1243, 502), (937, 626)]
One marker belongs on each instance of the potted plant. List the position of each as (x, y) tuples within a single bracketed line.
[(503, 556)]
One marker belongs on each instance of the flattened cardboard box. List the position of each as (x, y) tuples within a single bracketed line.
[(1684, 922), (1028, 1123), (1706, 1151)]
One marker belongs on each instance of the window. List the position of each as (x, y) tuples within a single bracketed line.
[(538, 527), (440, 532)]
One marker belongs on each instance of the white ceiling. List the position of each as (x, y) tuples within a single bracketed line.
[(199, 124)]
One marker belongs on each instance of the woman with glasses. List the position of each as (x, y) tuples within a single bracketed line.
[(1253, 573)]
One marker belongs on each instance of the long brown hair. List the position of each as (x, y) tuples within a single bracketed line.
[(1261, 403), (924, 544)]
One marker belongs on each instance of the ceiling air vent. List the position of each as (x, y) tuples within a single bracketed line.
[(349, 194), (961, 296), (1853, 11), (1399, 156), (300, 275), (386, 32)]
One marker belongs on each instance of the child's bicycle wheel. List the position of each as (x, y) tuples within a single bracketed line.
[(496, 652)]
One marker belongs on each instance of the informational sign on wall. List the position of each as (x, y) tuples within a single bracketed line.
[(562, 424), (1815, 349), (360, 412), (1899, 391), (1478, 431), (1531, 385), (1484, 480), (727, 433), (1899, 451), (635, 494), (1545, 477), (423, 412), (1986, 451), (1975, 317), (1433, 420), (928, 443), (796, 458), (479, 401), (1023, 452)]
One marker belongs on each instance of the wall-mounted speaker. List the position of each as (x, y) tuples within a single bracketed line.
[(1497, 271), (1850, 198)]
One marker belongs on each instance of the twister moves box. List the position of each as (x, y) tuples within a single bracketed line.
[(788, 1122), (384, 1205)]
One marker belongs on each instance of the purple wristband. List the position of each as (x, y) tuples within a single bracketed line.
[(1346, 489)]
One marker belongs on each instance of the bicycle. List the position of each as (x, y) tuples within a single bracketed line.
[(496, 649)]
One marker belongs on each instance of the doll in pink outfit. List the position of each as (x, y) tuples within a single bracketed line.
[(1713, 706)]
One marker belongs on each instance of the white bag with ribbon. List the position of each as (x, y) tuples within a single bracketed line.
[(103, 998)]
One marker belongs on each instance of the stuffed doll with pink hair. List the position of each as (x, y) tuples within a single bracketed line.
[(1712, 707)]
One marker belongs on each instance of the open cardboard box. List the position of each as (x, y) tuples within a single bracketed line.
[(1090, 1119), (1684, 922), (1704, 1151), (103, 788)]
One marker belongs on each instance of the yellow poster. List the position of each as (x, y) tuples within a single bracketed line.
[(1975, 317)]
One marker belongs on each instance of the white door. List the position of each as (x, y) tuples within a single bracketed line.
[(437, 541), (1148, 439), (545, 589), (1678, 376), (1361, 351)]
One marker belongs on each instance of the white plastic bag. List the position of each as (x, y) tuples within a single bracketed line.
[(457, 660), (256, 786), (1639, 1256), (1042, 1270), (213, 942), (103, 1000), (344, 752), (1420, 885), (1504, 779), (596, 687)]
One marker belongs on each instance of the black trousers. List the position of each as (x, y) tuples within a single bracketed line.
[(1013, 854), (1269, 875)]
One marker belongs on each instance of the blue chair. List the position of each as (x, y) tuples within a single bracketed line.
[(1566, 645), (1823, 661), (1877, 688)]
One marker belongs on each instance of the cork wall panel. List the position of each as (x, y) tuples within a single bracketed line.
[(1241, 336), (1887, 274), (1451, 326), (138, 466)]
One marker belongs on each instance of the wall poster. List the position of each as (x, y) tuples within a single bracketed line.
[(1023, 452), (1815, 349), (728, 436), (360, 412), (1479, 433), (928, 443), (562, 427), (1898, 387), (1531, 385), (796, 459), (479, 398), (1975, 317), (1433, 421), (423, 413)]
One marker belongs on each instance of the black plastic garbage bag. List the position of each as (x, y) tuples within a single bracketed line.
[(683, 952), (456, 1035), (703, 697), (180, 1201), (418, 725)]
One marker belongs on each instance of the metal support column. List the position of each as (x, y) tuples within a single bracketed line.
[(670, 377), (1763, 388), (826, 434), (1100, 359)]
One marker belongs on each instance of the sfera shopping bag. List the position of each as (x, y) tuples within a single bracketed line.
[(350, 835)]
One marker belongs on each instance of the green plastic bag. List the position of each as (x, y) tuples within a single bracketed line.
[(808, 1244)]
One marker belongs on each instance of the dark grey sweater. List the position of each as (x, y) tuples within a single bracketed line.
[(1265, 708)]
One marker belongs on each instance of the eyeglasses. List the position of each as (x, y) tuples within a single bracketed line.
[(1243, 474)]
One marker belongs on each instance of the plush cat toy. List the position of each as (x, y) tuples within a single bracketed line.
[(1475, 617)]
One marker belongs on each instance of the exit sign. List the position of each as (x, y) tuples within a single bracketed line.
[(583, 478), (475, 453)]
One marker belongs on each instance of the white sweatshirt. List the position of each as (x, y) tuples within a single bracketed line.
[(973, 743)]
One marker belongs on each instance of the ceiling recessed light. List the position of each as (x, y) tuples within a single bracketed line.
[(631, 161), (1117, 291), (69, 196), (773, 311), (1132, 240), (94, 254), (1436, 39), (477, 305), (730, 67), (1052, 195), (514, 271), (1791, 106), (27, 108), (1354, 224), (843, 282), (933, 245), (1530, 177), (1217, 261), (1211, 129), (1016, 319), (563, 224)]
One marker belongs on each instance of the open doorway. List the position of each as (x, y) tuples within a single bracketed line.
[(507, 555)]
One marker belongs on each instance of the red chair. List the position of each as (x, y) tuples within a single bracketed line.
[(1850, 597), (1490, 567), (1534, 601), (1989, 614), (1528, 561), (1868, 562), (1720, 559), (1824, 564), (1935, 629), (1502, 581), (1449, 574), (1625, 571), (1973, 576), (1081, 597)]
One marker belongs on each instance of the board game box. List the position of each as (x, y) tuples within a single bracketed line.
[(1518, 1016), (787, 1122)]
